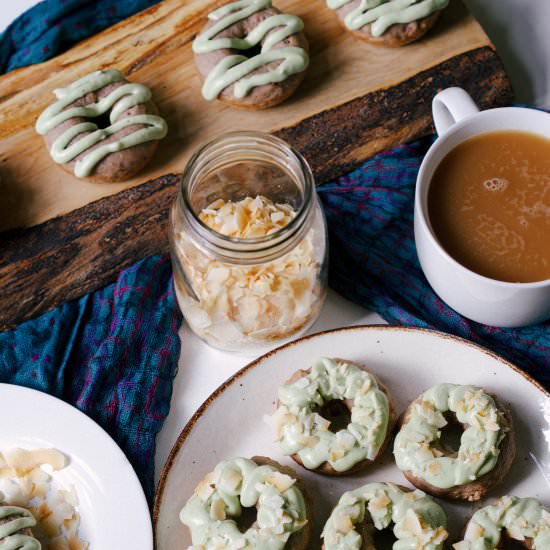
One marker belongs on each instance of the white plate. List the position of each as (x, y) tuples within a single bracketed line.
[(113, 509), (407, 360)]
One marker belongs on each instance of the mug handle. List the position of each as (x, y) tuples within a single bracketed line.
[(450, 106)]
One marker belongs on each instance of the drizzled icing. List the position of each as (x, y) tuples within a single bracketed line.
[(416, 445), (10, 536), (522, 518), (419, 522), (238, 483), (233, 69), (118, 101), (382, 14), (302, 431)]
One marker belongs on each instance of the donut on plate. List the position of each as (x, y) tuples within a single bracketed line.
[(16, 528), (102, 127), (251, 55), (282, 520), (357, 422), (417, 520), (487, 445), (390, 23), (524, 520)]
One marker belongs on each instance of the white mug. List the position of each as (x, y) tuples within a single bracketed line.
[(484, 300)]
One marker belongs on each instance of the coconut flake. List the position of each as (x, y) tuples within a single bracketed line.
[(239, 303), (24, 483)]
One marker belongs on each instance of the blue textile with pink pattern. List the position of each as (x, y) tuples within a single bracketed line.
[(113, 353)]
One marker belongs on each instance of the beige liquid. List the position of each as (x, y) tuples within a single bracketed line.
[(489, 205)]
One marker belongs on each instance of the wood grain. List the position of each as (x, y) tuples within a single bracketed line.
[(61, 237), (63, 258), (153, 47)]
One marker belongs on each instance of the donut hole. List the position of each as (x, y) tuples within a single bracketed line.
[(451, 434), (102, 121), (383, 539), (252, 52), (508, 543), (337, 413), (247, 518)]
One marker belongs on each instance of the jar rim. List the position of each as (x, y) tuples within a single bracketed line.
[(276, 237)]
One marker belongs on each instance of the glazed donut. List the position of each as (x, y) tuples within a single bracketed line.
[(282, 507), (264, 79), (390, 23), (15, 529), (418, 521), (305, 435), (521, 519), (487, 446), (113, 153)]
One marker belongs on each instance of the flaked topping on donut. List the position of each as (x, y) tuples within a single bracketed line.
[(26, 484), (15, 523), (85, 136), (301, 430), (239, 69), (521, 518), (417, 448), (382, 14), (237, 483), (239, 302), (419, 522)]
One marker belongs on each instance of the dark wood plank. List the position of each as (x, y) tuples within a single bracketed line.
[(68, 256)]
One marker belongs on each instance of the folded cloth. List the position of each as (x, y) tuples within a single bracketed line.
[(112, 353), (53, 26), (373, 259)]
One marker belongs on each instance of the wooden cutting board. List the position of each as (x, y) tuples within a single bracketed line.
[(61, 237)]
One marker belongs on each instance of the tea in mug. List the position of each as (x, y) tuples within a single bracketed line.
[(489, 205)]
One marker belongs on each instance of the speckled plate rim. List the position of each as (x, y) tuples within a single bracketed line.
[(256, 362)]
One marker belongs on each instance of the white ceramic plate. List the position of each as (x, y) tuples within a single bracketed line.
[(112, 506), (408, 361)]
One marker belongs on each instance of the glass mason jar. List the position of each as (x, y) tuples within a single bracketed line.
[(248, 294)]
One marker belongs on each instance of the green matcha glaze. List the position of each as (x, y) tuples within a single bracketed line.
[(238, 483), (118, 101), (522, 518), (10, 538), (416, 447), (382, 14), (304, 432), (419, 522), (234, 68)]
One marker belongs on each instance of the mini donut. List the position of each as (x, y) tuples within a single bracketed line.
[(487, 446), (418, 521), (114, 153), (390, 23), (306, 436), (267, 77), (524, 520), (16, 528), (275, 490)]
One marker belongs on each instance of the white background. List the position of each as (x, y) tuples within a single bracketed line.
[(521, 31)]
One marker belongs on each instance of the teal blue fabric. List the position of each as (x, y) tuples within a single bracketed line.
[(374, 262), (53, 26), (112, 353)]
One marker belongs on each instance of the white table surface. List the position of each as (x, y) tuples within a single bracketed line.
[(519, 29)]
